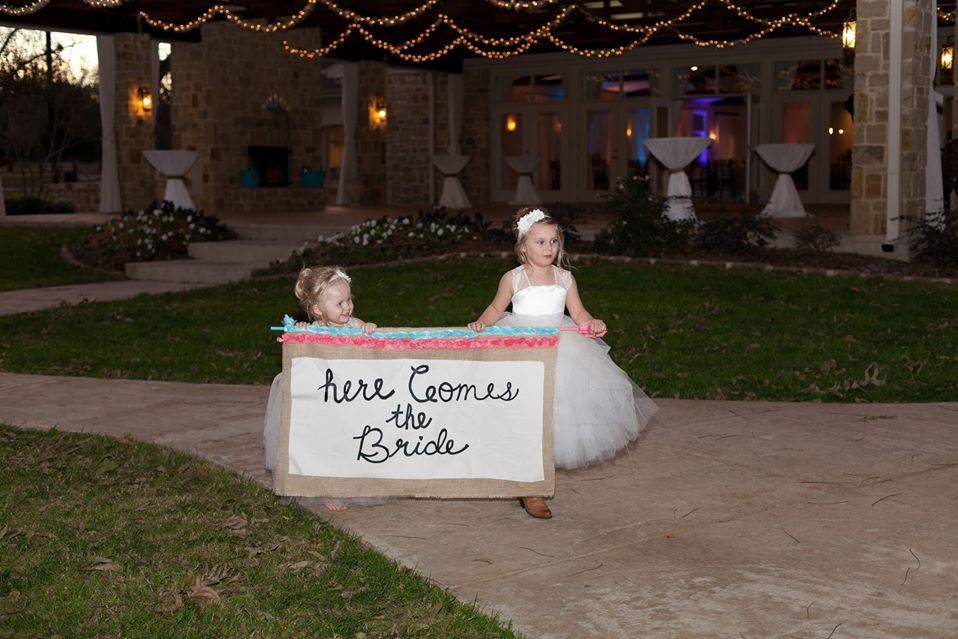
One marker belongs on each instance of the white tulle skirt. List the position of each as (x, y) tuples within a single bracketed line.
[(271, 425), (598, 409)]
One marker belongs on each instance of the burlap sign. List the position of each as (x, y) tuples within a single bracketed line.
[(442, 418)]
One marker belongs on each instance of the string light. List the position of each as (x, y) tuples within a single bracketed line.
[(36, 5), (477, 43), (516, 45), (219, 9)]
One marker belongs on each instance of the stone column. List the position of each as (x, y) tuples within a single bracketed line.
[(870, 152), (134, 127), (369, 185), (476, 131), (408, 157)]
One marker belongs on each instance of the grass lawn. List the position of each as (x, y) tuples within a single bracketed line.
[(701, 333), (107, 538), (30, 258)]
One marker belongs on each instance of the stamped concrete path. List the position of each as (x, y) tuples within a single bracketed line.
[(728, 519)]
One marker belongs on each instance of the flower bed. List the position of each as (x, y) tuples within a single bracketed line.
[(156, 233), (389, 239)]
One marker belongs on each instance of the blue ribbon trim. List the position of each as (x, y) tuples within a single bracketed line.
[(289, 326)]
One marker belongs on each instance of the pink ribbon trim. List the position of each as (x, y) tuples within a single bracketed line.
[(364, 341)]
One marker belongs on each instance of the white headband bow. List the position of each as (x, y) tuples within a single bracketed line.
[(526, 221), (339, 275)]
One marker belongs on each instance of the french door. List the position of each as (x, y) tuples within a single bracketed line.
[(820, 119), (539, 131), (611, 144)]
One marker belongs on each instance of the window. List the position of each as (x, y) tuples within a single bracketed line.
[(695, 80), (805, 75), (531, 88), (639, 83), (602, 86), (613, 85), (838, 75), (739, 78)]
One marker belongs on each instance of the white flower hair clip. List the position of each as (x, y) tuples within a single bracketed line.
[(526, 221), (340, 275)]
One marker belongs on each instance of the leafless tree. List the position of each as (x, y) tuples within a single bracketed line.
[(44, 111)]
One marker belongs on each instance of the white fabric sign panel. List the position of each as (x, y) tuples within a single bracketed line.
[(416, 419)]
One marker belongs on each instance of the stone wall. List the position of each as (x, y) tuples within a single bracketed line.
[(408, 164), (134, 127), (476, 129), (221, 87), (369, 185), (869, 156), (408, 154)]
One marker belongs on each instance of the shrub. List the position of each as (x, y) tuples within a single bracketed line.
[(730, 235), (386, 239), (641, 229), (934, 239), (812, 238), (156, 233), (36, 206)]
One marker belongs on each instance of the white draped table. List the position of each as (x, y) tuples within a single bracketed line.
[(525, 166), (173, 165), (453, 196), (676, 154), (784, 158)]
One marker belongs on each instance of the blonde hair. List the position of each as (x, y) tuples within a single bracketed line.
[(548, 220), (312, 284)]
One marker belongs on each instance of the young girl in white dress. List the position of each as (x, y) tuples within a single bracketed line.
[(326, 296), (598, 409)]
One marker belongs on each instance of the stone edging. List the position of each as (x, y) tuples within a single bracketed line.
[(591, 258), (67, 256)]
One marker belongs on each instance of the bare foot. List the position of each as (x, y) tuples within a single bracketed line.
[(336, 506)]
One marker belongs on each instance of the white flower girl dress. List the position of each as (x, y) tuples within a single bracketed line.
[(598, 408)]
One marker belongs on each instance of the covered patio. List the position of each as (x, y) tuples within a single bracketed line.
[(319, 113)]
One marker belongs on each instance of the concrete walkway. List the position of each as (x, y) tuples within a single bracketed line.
[(25, 300), (728, 519)]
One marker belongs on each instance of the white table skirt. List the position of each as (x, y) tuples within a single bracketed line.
[(453, 196), (676, 154), (785, 158), (173, 165), (525, 166)]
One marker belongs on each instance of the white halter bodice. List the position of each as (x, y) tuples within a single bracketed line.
[(545, 299)]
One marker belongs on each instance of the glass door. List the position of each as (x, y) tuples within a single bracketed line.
[(614, 144), (530, 131), (598, 157), (836, 178), (798, 122)]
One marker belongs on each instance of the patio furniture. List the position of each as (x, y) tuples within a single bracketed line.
[(173, 165), (785, 158), (453, 196), (525, 166), (676, 154)]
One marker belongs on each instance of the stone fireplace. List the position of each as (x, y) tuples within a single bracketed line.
[(243, 103), (272, 164)]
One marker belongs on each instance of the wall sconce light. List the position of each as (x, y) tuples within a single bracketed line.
[(946, 60), (511, 123), (381, 111), (628, 131), (849, 29), (146, 99)]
